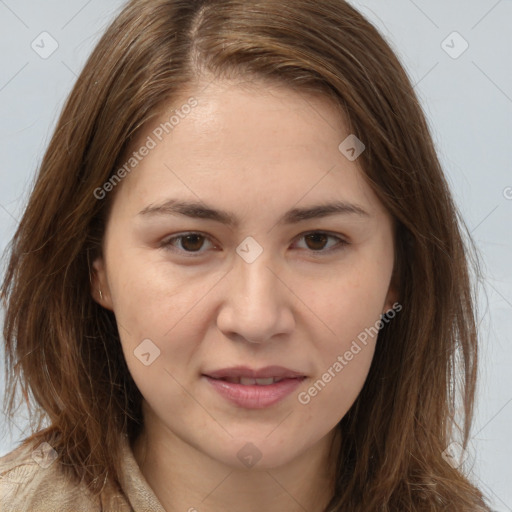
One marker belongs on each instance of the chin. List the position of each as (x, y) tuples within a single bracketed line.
[(255, 453)]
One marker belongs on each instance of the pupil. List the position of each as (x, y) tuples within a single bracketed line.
[(315, 238), (191, 246)]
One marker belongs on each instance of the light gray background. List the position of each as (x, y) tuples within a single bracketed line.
[(468, 102)]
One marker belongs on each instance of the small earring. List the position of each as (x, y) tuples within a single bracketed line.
[(101, 294)]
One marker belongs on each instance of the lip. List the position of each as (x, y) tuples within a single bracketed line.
[(254, 396), (279, 372)]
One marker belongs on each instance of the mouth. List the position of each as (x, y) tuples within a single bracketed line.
[(254, 389), (247, 381), (251, 376)]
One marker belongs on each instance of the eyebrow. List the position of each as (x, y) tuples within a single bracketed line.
[(199, 210)]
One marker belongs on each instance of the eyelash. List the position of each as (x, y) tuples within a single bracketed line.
[(167, 244)]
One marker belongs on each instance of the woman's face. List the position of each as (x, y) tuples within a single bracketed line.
[(222, 259)]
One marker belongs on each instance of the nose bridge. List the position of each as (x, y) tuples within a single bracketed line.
[(255, 306), (255, 282)]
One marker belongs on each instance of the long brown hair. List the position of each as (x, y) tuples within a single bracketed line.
[(63, 349)]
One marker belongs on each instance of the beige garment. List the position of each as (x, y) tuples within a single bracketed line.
[(30, 481)]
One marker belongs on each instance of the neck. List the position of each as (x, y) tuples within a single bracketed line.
[(186, 479)]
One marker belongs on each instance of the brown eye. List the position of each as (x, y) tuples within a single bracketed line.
[(192, 242), (322, 243), (316, 241), (186, 243)]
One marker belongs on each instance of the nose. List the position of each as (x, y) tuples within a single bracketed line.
[(257, 305)]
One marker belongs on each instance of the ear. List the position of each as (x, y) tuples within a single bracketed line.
[(99, 283), (392, 296)]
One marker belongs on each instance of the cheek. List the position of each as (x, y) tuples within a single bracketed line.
[(341, 374), (152, 297), (349, 307), (347, 302), (162, 317)]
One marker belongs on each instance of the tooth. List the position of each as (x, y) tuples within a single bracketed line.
[(248, 381), (265, 382)]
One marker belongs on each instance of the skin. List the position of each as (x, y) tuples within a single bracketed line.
[(256, 151)]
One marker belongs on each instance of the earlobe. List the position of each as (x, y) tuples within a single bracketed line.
[(391, 303), (392, 297), (100, 290)]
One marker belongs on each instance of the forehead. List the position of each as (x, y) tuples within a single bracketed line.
[(235, 140)]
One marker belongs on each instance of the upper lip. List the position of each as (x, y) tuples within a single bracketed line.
[(262, 373)]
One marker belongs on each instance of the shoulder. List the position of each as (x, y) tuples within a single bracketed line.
[(30, 479)]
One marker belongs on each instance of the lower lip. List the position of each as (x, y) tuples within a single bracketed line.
[(254, 396)]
